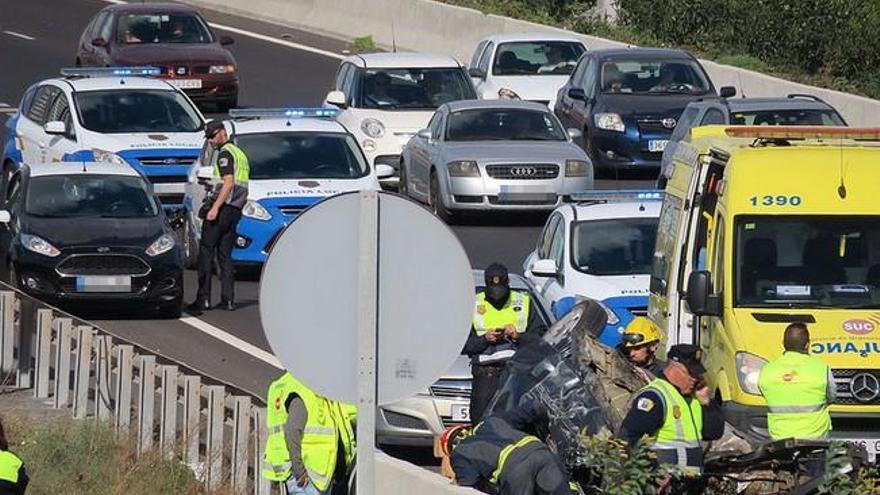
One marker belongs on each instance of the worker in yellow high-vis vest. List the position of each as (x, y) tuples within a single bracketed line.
[(310, 447), (13, 477), (798, 389)]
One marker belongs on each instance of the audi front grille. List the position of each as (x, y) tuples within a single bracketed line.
[(523, 171)]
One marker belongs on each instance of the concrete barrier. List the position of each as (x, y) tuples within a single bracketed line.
[(396, 477)]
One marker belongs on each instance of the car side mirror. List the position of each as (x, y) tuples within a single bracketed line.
[(5, 217), (55, 127), (477, 73), (425, 134), (99, 42), (700, 299), (545, 268), (384, 171), (727, 92), (336, 98), (577, 94), (204, 174), (226, 40), (575, 133)]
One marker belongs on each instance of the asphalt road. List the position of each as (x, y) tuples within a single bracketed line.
[(37, 37)]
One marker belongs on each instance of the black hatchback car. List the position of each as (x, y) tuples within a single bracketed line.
[(627, 101), (90, 232)]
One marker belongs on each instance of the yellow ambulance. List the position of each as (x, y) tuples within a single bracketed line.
[(765, 226)]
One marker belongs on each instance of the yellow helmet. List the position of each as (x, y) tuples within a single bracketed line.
[(639, 332)]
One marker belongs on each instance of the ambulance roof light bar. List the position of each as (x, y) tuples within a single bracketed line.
[(283, 113), (618, 196), (111, 71), (803, 132)]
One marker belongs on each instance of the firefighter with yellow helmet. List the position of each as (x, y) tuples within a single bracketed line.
[(641, 338)]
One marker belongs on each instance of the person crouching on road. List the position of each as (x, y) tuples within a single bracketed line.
[(311, 444), (501, 317), (675, 412), (13, 477), (798, 389), (231, 175), (639, 345)]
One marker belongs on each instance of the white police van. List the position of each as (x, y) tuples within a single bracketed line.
[(297, 157), (114, 114), (599, 246)]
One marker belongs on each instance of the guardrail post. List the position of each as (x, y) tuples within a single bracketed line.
[(146, 404), (83, 369), (168, 421), (64, 327), (262, 486), (124, 371), (192, 413), (241, 424), (26, 311), (216, 421), (7, 334), (103, 401), (44, 353)]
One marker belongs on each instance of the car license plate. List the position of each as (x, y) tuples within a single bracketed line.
[(872, 445), (96, 283), (657, 145), (186, 83), (461, 413)]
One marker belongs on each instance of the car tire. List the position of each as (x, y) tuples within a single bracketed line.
[(5, 175), (437, 205), (189, 245), (171, 310), (402, 184)]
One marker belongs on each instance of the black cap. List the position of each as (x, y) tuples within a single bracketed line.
[(688, 355), (496, 274), (212, 127)]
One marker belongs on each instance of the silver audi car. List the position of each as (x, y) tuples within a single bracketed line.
[(493, 155), (416, 420)]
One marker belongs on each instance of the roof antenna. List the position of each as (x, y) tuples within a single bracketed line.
[(841, 189), (393, 37), (742, 89)]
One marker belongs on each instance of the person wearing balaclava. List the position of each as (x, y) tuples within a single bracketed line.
[(501, 317)]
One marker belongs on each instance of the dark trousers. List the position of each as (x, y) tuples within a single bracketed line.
[(533, 470), (218, 237), (483, 387)]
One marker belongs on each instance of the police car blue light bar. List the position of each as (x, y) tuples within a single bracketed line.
[(618, 196), (110, 71), (281, 113)]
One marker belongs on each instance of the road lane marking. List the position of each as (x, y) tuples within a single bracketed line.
[(263, 37), (233, 341), (20, 35)]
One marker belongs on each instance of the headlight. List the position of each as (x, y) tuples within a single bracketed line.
[(373, 128), (463, 169), (108, 156), (161, 245), (508, 94), (748, 369), (612, 318), (221, 69), (577, 168), (255, 210), (609, 122), (39, 245)]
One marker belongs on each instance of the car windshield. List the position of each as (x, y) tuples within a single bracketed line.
[(654, 77), (809, 261), (786, 117), (531, 58), (129, 111), (408, 89), (86, 195), (503, 124), (302, 155), (133, 29), (620, 246)]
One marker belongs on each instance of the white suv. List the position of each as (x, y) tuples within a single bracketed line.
[(386, 98)]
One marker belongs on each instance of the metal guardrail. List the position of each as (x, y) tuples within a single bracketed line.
[(217, 429)]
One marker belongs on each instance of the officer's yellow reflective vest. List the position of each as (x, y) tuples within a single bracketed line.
[(515, 312), (795, 386), (9, 466), (242, 167), (329, 423), (678, 440)]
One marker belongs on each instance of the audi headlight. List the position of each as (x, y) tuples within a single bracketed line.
[(577, 168), (612, 317), (609, 122), (463, 168), (507, 94), (748, 369), (161, 245), (39, 245), (255, 210), (108, 156), (221, 69), (373, 128)]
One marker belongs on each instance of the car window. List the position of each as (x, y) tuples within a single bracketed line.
[(685, 122), (105, 29), (475, 59), (718, 262), (60, 110), (94, 29), (557, 245), (42, 100), (654, 76), (139, 28), (13, 189), (787, 117), (351, 83), (436, 126), (124, 111), (108, 196), (713, 117), (26, 100), (532, 58), (487, 58), (589, 80), (414, 88), (340, 77), (547, 236), (503, 124), (625, 246), (302, 155)]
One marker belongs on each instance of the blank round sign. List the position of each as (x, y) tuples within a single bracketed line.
[(309, 297)]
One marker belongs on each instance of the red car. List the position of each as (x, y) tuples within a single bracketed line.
[(170, 36)]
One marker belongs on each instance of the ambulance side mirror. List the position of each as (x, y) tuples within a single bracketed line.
[(700, 299)]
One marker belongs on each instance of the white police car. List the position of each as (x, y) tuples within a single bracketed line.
[(297, 157), (600, 246), (110, 114)]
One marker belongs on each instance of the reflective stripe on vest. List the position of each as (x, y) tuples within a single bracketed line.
[(505, 453), (240, 161), (678, 440), (795, 386), (515, 312), (9, 466)]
